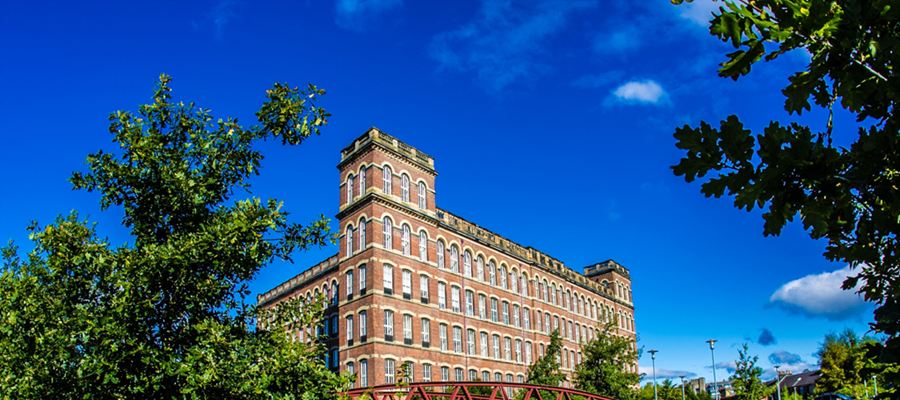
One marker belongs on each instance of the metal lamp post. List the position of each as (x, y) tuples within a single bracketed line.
[(712, 347), (653, 362), (778, 380), (682, 386)]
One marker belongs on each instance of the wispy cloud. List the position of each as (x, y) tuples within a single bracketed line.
[(766, 337), (640, 92), (698, 11), (505, 41), (820, 295), (784, 357), (662, 373), (358, 14), (222, 14), (726, 365)]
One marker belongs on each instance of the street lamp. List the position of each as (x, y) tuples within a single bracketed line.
[(778, 380), (653, 361), (712, 347), (682, 387)]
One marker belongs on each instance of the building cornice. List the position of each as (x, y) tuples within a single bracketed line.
[(376, 138)]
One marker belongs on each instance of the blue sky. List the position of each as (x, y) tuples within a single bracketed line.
[(551, 122)]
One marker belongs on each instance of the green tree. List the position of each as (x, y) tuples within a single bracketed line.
[(746, 379), (163, 315), (545, 369), (603, 366), (846, 364), (846, 195)]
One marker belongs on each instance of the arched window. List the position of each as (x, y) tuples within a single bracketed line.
[(492, 271), (388, 233), (514, 281), (386, 177), (362, 180), (440, 254), (362, 233), (334, 292), (404, 187), (350, 184), (503, 277), (404, 240), (349, 236), (467, 263), (423, 246), (479, 268), (363, 373), (454, 258), (422, 194)]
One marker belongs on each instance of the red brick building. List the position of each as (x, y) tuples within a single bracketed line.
[(413, 283)]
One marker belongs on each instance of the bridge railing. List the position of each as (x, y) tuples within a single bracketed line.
[(469, 391)]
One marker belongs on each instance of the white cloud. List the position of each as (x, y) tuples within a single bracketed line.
[(698, 11), (356, 14), (640, 92), (505, 42), (820, 295)]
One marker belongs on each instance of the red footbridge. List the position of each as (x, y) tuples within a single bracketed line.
[(469, 391)]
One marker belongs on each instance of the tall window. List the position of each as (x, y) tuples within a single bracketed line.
[(494, 315), (350, 183), (506, 313), (442, 295), (388, 233), (334, 292), (349, 322), (362, 180), (492, 272), (388, 325), (423, 246), (426, 372), (387, 176), (423, 288), (404, 240), (442, 335), (470, 303), (457, 339), (507, 352), (363, 373), (388, 279), (362, 279), (362, 233), (515, 313), (495, 341), (426, 331), (351, 369), (422, 195), (407, 329), (404, 187), (362, 325), (481, 306), (445, 374), (454, 298), (479, 269), (528, 353), (470, 342), (389, 369), (484, 344), (467, 263), (454, 258), (349, 283), (526, 318), (518, 349), (503, 278), (406, 282), (459, 374), (514, 281), (349, 237)]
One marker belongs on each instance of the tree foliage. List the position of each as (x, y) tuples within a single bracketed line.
[(545, 369), (847, 366), (163, 316), (847, 196), (603, 366), (746, 380)]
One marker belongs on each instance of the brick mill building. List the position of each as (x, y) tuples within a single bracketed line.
[(415, 284)]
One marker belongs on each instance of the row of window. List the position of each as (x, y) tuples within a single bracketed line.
[(392, 374), (519, 317), (503, 278), (387, 178)]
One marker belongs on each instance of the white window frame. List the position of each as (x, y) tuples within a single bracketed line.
[(387, 177), (387, 279), (423, 245), (406, 282), (405, 243), (404, 187), (422, 195), (387, 231)]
